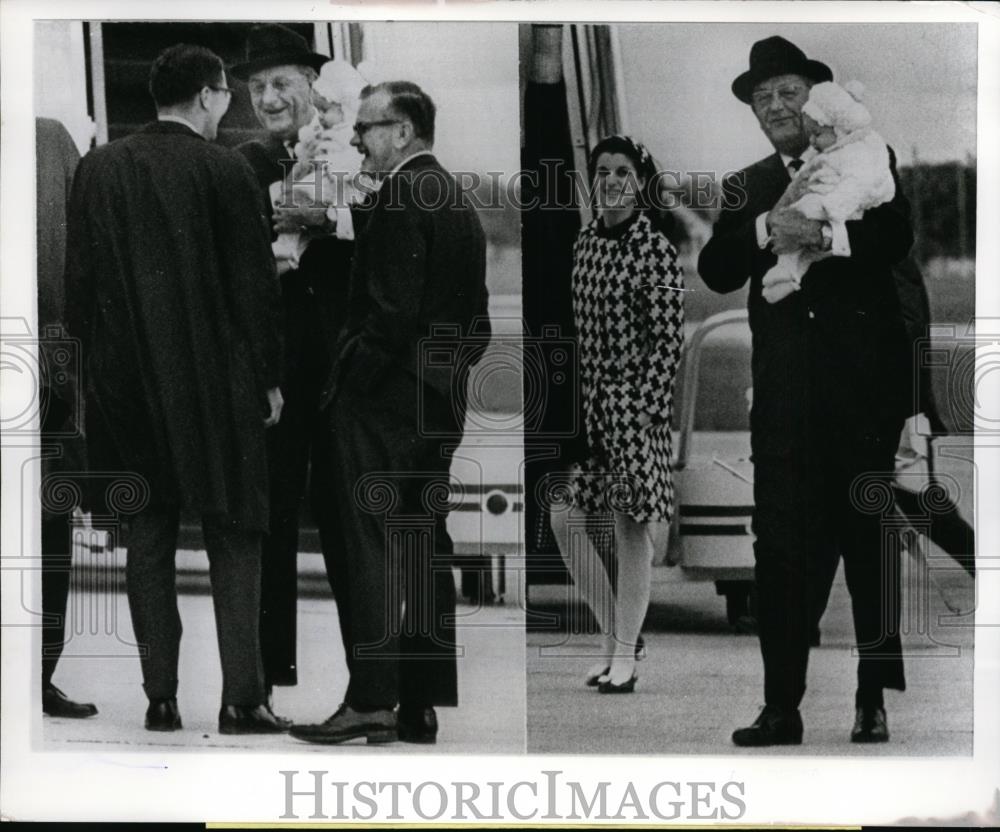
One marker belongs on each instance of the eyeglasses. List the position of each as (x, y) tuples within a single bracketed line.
[(362, 127), (787, 94)]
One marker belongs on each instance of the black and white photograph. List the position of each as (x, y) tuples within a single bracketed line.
[(772, 365), (500, 413), (278, 439)]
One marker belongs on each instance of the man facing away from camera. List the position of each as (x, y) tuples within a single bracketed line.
[(831, 391), (171, 289), (395, 419), (279, 69)]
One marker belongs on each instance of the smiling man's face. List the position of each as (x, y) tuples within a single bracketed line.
[(282, 99), (777, 103)]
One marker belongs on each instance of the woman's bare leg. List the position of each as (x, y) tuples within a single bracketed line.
[(634, 544), (587, 569)]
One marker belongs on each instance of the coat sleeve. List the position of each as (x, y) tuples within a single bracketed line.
[(252, 281), (732, 254), (396, 271), (662, 303), (884, 234)]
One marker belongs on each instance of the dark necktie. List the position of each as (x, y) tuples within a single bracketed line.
[(793, 166)]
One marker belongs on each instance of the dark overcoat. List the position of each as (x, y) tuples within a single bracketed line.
[(171, 288), (837, 347), (832, 386)]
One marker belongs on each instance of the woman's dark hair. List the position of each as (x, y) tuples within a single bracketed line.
[(180, 72), (648, 199)]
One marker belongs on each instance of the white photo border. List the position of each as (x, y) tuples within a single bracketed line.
[(245, 787)]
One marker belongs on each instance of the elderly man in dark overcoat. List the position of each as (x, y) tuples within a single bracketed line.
[(171, 289), (831, 384), (396, 404), (279, 68)]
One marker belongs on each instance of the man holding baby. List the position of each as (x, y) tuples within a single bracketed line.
[(831, 391), (280, 69)]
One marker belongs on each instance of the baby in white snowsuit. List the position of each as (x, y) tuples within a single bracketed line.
[(849, 175), (327, 164)]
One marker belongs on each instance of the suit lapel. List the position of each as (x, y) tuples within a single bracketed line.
[(773, 179)]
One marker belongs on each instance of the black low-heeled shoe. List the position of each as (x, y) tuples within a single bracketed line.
[(594, 679), (624, 687)]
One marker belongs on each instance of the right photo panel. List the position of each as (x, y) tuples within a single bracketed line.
[(748, 260)]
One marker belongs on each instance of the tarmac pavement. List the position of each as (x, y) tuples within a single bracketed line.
[(100, 665), (701, 681)]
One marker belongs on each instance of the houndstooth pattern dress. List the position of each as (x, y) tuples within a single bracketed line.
[(630, 328)]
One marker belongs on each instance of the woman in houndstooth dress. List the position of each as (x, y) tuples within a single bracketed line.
[(628, 308)]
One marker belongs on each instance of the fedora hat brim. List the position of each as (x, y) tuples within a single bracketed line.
[(815, 71), (289, 57)]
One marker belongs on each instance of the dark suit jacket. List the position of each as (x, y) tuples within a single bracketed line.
[(419, 271), (830, 361)]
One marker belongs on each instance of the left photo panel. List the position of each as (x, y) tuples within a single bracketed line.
[(279, 388)]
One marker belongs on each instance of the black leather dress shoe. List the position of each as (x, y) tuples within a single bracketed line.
[(56, 703), (417, 724), (774, 726), (162, 715), (348, 724), (236, 719), (869, 725)]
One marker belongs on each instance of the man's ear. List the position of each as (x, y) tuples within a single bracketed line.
[(406, 133)]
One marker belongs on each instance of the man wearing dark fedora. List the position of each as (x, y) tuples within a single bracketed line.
[(279, 68), (831, 391)]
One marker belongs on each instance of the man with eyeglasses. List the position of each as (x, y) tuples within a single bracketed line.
[(171, 290), (396, 403), (831, 383), (279, 69)]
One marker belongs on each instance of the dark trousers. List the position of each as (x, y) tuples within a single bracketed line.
[(59, 435), (806, 518), (292, 460), (234, 570), (392, 577), (56, 564)]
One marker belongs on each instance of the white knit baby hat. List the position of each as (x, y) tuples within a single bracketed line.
[(838, 106), (340, 82)]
